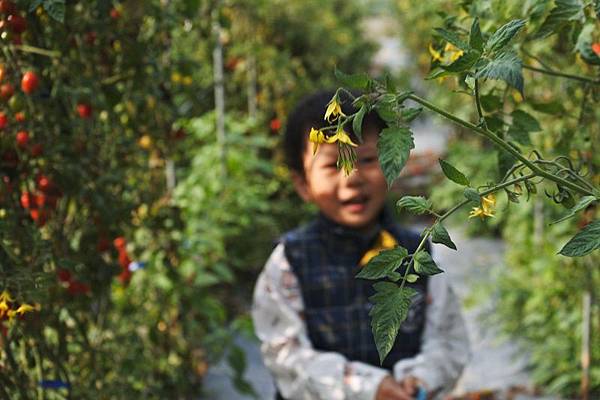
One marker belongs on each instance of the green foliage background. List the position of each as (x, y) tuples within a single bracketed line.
[(146, 69)]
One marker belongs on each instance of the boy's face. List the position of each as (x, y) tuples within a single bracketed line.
[(354, 200)]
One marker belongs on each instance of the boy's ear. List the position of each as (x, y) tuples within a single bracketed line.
[(301, 186)]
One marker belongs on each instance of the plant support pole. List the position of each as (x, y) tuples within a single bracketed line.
[(585, 346), (219, 89)]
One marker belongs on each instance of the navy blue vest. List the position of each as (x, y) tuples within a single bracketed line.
[(325, 257)]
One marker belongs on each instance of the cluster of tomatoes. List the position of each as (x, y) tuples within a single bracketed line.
[(124, 261), (43, 201), (12, 23)]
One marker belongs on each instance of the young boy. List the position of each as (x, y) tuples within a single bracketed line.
[(309, 310)]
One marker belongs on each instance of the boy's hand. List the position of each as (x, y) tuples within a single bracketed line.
[(389, 389)]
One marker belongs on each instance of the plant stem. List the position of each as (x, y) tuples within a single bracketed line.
[(562, 74), (32, 49), (505, 146), (478, 103)]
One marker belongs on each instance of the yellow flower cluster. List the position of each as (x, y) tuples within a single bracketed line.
[(6, 309), (334, 109), (451, 53), (488, 203)]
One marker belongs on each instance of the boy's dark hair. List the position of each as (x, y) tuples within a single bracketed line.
[(308, 114)]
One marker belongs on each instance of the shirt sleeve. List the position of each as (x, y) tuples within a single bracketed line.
[(300, 371), (445, 348)]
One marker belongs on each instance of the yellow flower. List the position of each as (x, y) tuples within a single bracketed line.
[(5, 296), (454, 52), (342, 137), (316, 137), (488, 203), (334, 109), (434, 53), (23, 308)]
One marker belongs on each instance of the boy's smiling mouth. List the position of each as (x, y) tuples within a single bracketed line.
[(356, 203)]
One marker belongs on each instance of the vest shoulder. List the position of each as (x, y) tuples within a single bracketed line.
[(302, 232)]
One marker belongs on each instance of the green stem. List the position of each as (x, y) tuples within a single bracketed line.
[(503, 145), (562, 75), (32, 49), (478, 103)]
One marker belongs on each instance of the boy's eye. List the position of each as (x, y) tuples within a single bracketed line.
[(367, 160)]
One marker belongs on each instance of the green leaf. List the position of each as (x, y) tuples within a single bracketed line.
[(55, 9), (476, 40), (584, 242), (383, 264), (503, 35), (35, 4), (490, 103), (464, 62), (525, 121), (441, 235), (453, 174), (583, 203), (424, 264), (552, 107), (394, 147), (412, 278), (505, 162), (390, 309), (386, 107), (436, 73), (597, 8), (473, 195), (357, 122), (584, 44), (452, 37), (507, 67), (409, 114), (414, 204), (563, 12), (357, 81)]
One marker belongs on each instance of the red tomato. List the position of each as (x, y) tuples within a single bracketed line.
[(119, 242), (124, 260), (27, 200), (39, 216), (7, 7), (44, 183), (6, 91), (22, 139), (17, 23), (2, 72), (596, 49), (3, 120), (84, 110), (125, 276), (30, 82), (275, 124), (64, 275), (20, 116), (37, 150), (114, 13)]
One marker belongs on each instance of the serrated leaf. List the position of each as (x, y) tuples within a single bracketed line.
[(473, 195), (390, 309), (441, 235), (476, 39), (503, 35), (507, 67), (357, 122), (424, 264), (552, 107), (525, 121), (563, 12), (452, 37), (464, 62), (584, 242), (409, 114), (55, 9), (412, 278), (581, 205), (357, 81), (414, 204), (394, 147), (383, 264), (453, 174), (584, 45)]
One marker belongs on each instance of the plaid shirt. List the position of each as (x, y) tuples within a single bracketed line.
[(303, 372)]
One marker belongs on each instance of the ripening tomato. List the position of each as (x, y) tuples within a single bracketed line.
[(275, 124), (44, 183), (125, 276), (30, 82), (20, 116), (114, 13), (27, 200), (3, 120), (596, 49), (124, 259), (22, 139), (17, 23), (2, 72), (6, 91), (39, 216), (64, 275), (84, 110)]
